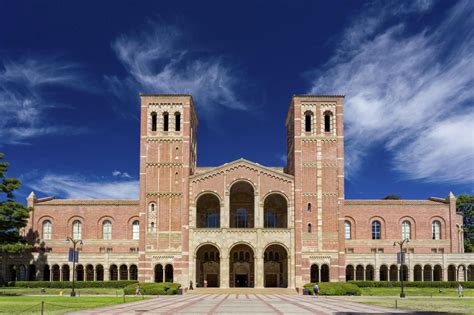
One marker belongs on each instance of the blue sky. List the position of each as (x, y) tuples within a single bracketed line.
[(70, 74)]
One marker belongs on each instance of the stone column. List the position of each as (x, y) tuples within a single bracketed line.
[(319, 273), (363, 273), (225, 212), (410, 274), (422, 274), (431, 274), (259, 270), (224, 272), (106, 274), (164, 273), (377, 274), (445, 274), (258, 219)]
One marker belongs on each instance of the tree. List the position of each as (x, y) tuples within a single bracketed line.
[(465, 204), (13, 215), (392, 197)]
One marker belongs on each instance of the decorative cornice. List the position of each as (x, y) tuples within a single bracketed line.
[(164, 194), (321, 138), (320, 164), (164, 164), (164, 139)]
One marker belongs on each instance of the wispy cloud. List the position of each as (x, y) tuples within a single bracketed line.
[(121, 174), (411, 93), (23, 104), (78, 187), (160, 59)]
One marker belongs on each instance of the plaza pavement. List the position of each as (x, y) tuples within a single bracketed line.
[(235, 303)]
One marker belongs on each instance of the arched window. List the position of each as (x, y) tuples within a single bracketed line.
[(136, 230), (406, 230), (308, 121), (107, 230), (77, 230), (309, 228), (241, 218), (152, 227), (309, 206), (165, 121), (47, 230), (270, 220), (327, 121), (376, 230), (347, 230), (153, 121), (436, 230), (212, 219), (177, 120)]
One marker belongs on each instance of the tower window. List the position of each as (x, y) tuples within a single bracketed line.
[(165, 121), (309, 206), (153, 121), (376, 230), (436, 230), (310, 228), (177, 119), (307, 121), (327, 121)]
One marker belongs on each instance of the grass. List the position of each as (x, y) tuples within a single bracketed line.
[(451, 305), (447, 292), (37, 291), (56, 304)]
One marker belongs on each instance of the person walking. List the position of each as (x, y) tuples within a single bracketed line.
[(460, 291), (316, 289), (191, 285), (138, 291)]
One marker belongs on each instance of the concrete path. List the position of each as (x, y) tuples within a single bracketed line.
[(239, 304)]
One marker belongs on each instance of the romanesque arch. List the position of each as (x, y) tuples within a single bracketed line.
[(208, 211), (369, 273), (418, 273), (383, 273), (350, 272), (242, 266), (242, 205), (208, 266), (275, 211), (275, 266)]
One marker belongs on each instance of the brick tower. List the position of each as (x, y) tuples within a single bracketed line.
[(167, 159), (315, 154)]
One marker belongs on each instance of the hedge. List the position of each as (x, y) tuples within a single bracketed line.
[(154, 288), (68, 284), (413, 284), (335, 288)]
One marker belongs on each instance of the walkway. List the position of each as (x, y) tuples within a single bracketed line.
[(239, 304)]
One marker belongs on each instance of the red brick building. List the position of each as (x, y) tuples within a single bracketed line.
[(241, 223)]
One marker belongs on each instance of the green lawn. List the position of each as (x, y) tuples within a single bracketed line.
[(452, 305), (37, 291), (415, 292), (56, 304)]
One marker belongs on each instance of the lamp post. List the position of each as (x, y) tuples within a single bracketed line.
[(401, 243), (74, 242)]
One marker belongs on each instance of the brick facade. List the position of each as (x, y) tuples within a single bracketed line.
[(241, 223)]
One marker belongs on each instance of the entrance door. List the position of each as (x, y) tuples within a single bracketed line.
[(271, 281), (241, 281), (212, 281)]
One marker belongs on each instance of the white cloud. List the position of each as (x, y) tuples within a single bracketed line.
[(23, 106), (121, 174), (76, 187), (160, 59), (411, 93)]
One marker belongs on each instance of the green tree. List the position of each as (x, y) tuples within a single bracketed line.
[(392, 197), (13, 215), (465, 204)]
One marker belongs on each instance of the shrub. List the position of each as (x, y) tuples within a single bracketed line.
[(335, 288), (68, 284), (413, 284), (154, 288)]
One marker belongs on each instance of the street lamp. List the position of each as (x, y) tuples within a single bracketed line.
[(400, 243), (74, 242)]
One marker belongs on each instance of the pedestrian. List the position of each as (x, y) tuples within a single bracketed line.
[(137, 290), (460, 291), (316, 289), (191, 285)]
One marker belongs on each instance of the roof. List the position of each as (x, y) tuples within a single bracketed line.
[(319, 95), (393, 202), (90, 202)]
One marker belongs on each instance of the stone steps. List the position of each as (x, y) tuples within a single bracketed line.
[(285, 291)]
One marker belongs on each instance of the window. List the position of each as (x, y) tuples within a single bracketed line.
[(152, 227), (107, 230), (153, 121), (309, 206), (165, 121), (77, 230), (136, 230), (270, 220), (307, 121), (406, 230), (309, 228), (327, 121), (241, 218), (177, 119), (436, 230), (376, 230), (47, 229), (347, 230), (350, 250), (212, 220)]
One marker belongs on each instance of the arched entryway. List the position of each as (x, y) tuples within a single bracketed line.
[(418, 273), (360, 272), (314, 273), (275, 211), (275, 266), (208, 211), (32, 273), (241, 266), (369, 273), (65, 271), (56, 273), (325, 273), (113, 270), (349, 273), (427, 273), (383, 273), (169, 273), (158, 273), (208, 266), (393, 273), (242, 205), (437, 273)]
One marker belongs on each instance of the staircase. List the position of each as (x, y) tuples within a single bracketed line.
[(285, 291)]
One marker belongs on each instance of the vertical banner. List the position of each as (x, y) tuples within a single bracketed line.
[(73, 255), (400, 258)]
